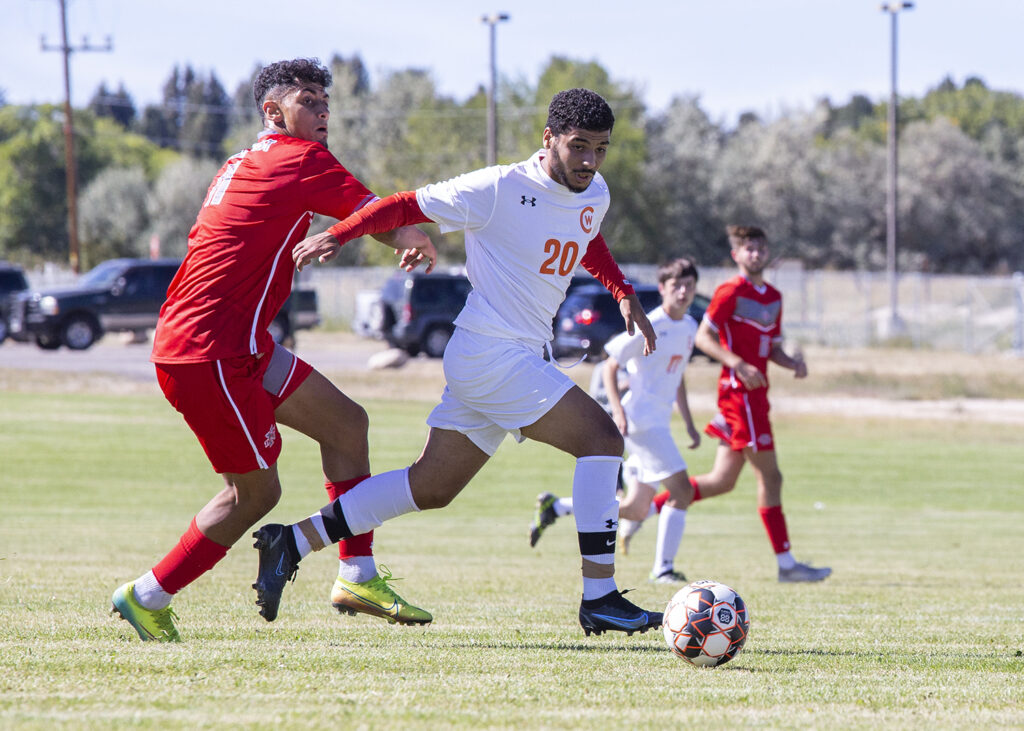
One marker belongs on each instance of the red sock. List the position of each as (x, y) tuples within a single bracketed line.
[(775, 525), (194, 555), (660, 499), (361, 545), (696, 489)]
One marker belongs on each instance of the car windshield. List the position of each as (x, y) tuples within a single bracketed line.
[(102, 275), (11, 280)]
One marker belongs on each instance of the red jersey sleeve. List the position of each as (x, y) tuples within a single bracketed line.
[(387, 214), (328, 188), (601, 264), (722, 305)]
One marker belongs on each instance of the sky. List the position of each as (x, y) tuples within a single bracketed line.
[(766, 56)]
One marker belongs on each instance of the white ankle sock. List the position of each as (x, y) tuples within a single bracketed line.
[(149, 593)]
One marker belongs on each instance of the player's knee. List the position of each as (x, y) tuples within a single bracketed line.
[(606, 441)]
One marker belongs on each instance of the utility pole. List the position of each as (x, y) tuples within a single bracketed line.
[(492, 113), (69, 128)]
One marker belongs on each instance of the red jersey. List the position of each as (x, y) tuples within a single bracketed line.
[(238, 269), (748, 320)]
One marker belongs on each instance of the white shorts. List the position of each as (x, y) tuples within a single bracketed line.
[(653, 455), (495, 387)]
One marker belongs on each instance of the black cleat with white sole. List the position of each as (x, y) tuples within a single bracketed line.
[(279, 561), (613, 612)]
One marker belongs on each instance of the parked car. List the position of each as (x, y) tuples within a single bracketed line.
[(417, 310), (12, 281), (589, 317), (122, 295)]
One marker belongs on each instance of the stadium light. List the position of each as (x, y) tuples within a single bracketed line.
[(895, 323), (492, 113)]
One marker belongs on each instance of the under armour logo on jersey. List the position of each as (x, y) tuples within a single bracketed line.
[(531, 201), (611, 524)]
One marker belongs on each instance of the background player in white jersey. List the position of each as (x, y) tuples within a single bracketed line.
[(527, 227), (643, 416)]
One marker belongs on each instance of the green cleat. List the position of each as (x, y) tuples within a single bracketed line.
[(376, 598), (151, 624)]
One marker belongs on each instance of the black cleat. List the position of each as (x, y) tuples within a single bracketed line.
[(278, 564), (544, 516), (613, 612)]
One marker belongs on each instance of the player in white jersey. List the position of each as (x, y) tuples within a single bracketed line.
[(527, 227), (643, 417)]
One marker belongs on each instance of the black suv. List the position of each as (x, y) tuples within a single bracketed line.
[(417, 310), (12, 281), (589, 317)]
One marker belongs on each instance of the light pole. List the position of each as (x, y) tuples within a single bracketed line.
[(895, 323), (492, 114)]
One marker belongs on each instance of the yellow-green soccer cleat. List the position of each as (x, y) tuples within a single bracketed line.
[(376, 598), (151, 624)]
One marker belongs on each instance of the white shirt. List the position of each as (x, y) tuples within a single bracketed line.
[(525, 236), (654, 379)]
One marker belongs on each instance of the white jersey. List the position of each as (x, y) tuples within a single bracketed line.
[(525, 236), (654, 379)]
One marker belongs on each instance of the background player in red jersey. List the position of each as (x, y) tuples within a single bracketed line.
[(218, 366), (742, 329)]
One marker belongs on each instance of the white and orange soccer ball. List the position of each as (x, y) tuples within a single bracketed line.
[(706, 623)]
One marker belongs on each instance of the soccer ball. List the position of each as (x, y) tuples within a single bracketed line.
[(706, 623)]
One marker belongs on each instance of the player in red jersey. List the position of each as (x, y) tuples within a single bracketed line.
[(742, 329), (219, 367)]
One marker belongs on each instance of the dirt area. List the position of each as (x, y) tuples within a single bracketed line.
[(881, 382)]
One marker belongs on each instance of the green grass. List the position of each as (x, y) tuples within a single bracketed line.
[(921, 625)]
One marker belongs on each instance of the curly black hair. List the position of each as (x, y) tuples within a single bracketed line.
[(289, 74), (579, 109)]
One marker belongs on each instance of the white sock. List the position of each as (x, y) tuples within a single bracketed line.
[(671, 524), (376, 499), (316, 520), (597, 516), (357, 568), (563, 506), (149, 593), (785, 559), (628, 528)]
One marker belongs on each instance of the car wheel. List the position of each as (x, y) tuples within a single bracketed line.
[(47, 342), (79, 332), (435, 341)]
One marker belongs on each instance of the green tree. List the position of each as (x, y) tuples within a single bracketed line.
[(113, 216), (174, 202)]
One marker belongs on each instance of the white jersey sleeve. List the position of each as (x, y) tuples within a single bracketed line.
[(464, 202), (525, 235)]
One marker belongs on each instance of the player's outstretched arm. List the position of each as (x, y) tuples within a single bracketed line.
[(610, 376), (634, 316), (683, 404)]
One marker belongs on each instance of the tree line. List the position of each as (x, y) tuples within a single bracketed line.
[(814, 179)]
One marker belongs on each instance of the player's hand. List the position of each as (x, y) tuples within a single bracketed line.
[(750, 376), (415, 247), (799, 368), (694, 436), (635, 317), (323, 247)]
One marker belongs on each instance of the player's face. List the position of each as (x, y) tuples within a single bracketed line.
[(751, 256), (575, 156), (303, 112), (677, 294)]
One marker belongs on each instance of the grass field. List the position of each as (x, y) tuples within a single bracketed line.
[(920, 626)]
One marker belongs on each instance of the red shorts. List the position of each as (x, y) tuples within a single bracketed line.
[(742, 420), (229, 404)]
